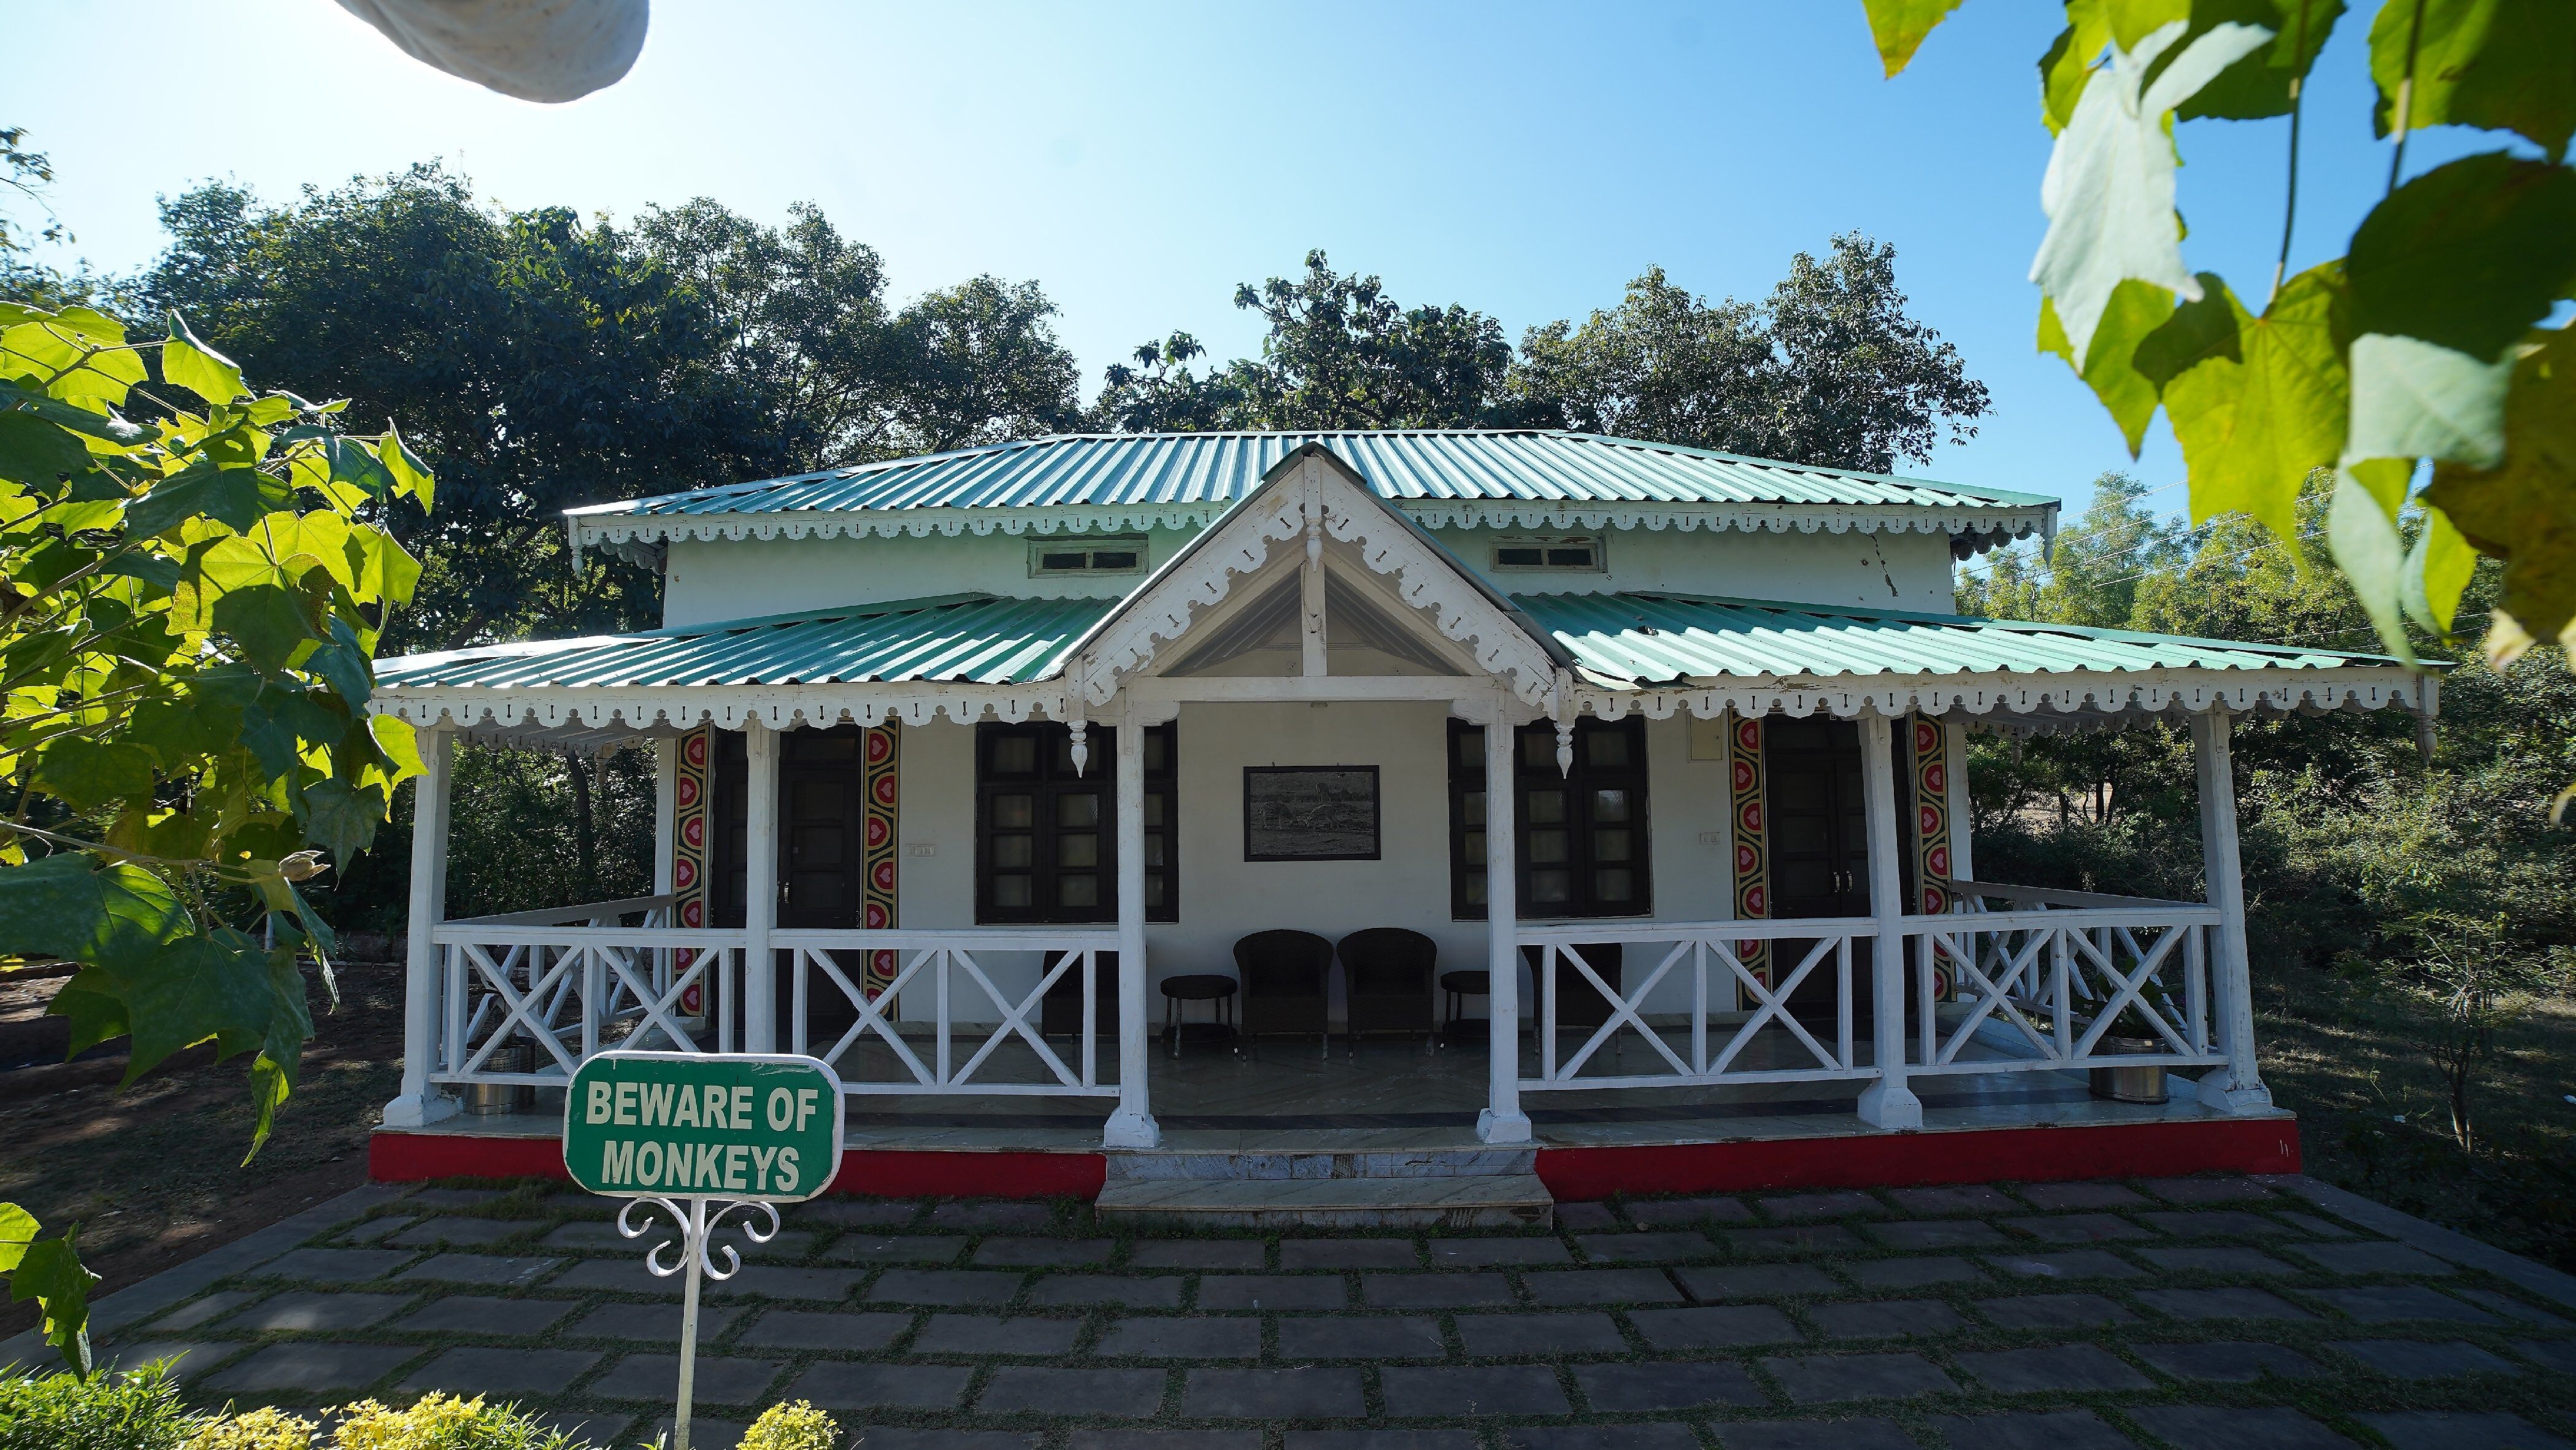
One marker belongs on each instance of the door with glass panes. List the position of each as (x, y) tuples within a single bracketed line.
[(1819, 840), (1046, 834), (1581, 830)]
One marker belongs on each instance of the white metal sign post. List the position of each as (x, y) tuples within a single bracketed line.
[(718, 1133)]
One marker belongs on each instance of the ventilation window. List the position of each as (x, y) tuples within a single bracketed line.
[(1116, 554), (1567, 551)]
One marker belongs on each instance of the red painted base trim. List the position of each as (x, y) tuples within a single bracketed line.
[(394, 1156), (1898, 1160)]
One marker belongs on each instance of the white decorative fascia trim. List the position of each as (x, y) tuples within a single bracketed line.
[(1276, 514), (1982, 527), (547, 709), (2073, 699)]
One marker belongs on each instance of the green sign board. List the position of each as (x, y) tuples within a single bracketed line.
[(743, 1126)]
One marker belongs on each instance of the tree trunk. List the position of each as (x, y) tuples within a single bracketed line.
[(585, 837)]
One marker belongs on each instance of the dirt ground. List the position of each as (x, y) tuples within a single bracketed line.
[(153, 1173)]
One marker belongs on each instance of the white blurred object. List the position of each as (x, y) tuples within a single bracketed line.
[(536, 50)]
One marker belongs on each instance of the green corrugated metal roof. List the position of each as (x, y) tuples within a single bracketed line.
[(1638, 641), (1159, 469), (962, 639)]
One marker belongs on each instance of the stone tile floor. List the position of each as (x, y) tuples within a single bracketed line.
[(2189, 1313)]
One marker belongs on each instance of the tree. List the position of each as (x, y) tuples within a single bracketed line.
[(190, 612), (2424, 343), (1161, 395), (978, 364), (2093, 569)]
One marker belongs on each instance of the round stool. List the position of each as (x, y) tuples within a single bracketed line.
[(1198, 987)]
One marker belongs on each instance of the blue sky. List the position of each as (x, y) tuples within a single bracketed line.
[(1141, 160)]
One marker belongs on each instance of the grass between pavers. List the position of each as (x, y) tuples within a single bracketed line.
[(2343, 1389)]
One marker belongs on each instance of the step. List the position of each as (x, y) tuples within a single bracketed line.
[(1216, 1164), (1492, 1200)]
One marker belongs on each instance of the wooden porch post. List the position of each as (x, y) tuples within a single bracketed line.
[(1963, 863), (759, 887), (423, 987), (2237, 1087), (1888, 1102), (1502, 1121), (1132, 1125)]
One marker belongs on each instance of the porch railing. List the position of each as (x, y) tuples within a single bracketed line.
[(1710, 956), (577, 980), (879, 1054)]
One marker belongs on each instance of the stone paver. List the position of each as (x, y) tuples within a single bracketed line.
[(2221, 1304), (1977, 1199), (1863, 1434), (990, 1214), (307, 1313), (312, 1368), (1812, 1238), (2461, 1430), (2056, 1367), (896, 1249), (770, 1281), (1206, 1254), (1150, 1440), (1757, 1281), (858, 1212), (1657, 1213), (1348, 1336), (500, 1271), (1381, 1440), (2044, 1430), (805, 1329), (1436, 1291), (2411, 1359), (649, 1323), (515, 1371), (1162, 1292), (2372, 1258), (721, 1379), (2215, 1189), (1919, 1235), (1044, 1253), (2396, 1303), (1714, 1326), (2557, 1354), (704, 1434), (1886, 1319), (2077, 1228), (2509, 1307), (1265, 1394), (1031, 1389), (1347, 1254), (2228, 1362), (943, 1286), (1607, 1437), (201, 1311), (1914, 1273), (1443, 1392), (1496, 1336), (2209, 1427), (2053, 1311), (1584, 1217), (2078, 1264), (1829, 1378), (1493, 1253), (480, 1314), (186, 1359), (1645, 1248), (1565, 1288), (983, 1334), (881, 1386), (431, 1232), (2217, 1261), (1271, 1291), (334, 1266), (1653, 1387), (1203, 1339), (2216, 1223), (1795, 1207), (2081, 1195)]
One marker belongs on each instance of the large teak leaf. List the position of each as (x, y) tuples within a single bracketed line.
[(1900, 25), (2507, 64), (2524, 510), (2470, 255), (2252, 430)]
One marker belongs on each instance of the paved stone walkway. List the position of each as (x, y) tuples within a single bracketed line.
[(2183, 1313)]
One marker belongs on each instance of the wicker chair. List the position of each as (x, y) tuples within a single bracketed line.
[(1387, 972), (1286, 977)]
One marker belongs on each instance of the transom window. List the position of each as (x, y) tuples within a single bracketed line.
[(1046, 839), (1581, 833), (1109, 554), (1548, 551)]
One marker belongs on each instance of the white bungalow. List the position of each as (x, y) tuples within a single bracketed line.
[(991, 764)]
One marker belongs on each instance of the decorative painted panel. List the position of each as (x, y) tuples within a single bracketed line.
[(1931, 759), (1752, 837), (689, 830), (878, 896)]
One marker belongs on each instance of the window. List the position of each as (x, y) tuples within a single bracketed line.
[(1079, 554), (1554, 551), (1582, 833), (1045, 838)]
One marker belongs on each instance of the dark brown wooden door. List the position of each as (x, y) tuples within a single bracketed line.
[(822, 828), (1819, 819)]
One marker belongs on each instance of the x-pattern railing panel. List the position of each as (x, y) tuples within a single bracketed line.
[(935, 961), (570, 988), (1708, 952)]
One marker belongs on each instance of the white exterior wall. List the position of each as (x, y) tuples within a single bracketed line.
[(709, 580), (1224, 897)]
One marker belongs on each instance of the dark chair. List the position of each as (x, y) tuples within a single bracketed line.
[(1060, 1014), (1578, 1002), (1386, 970), (1285, 980)]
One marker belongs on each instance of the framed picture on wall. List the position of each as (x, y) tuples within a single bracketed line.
[(1310, 813)]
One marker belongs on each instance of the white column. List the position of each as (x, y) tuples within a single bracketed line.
[(666, 811), (423, 975), (1888, 1103), (1963, 864), (2237, 1087), (1502, 1121), (1132, 1125), (759, 887)]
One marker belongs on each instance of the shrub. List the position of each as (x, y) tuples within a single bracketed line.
[(444, 1422), (136, 1411), (797, 1426), (265, 1428)]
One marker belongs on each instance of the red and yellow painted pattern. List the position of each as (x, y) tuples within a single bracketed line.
[(881, 754), (689, 827), (1752, 841)]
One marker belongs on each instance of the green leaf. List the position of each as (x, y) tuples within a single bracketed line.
[(85, 773), (235, 497), (399, 742), (115, 917), (2109, 191), (353, 464), (53, 1276), (1900, 25), (2438, 571), (2372, 557), (413, 476), (2252, 430), (200, 369), (344, 663), (197, 989), (269, 620), (101, 423), (18, 1229), (94, 1004), (2494, 63), (2524, 511), (2195, 333), (341, 820), (385, 570), (2137, 310), (92, 325), (34, 451), (2412, 399), (2469, 255), (2068, 65), (2259, 85)]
